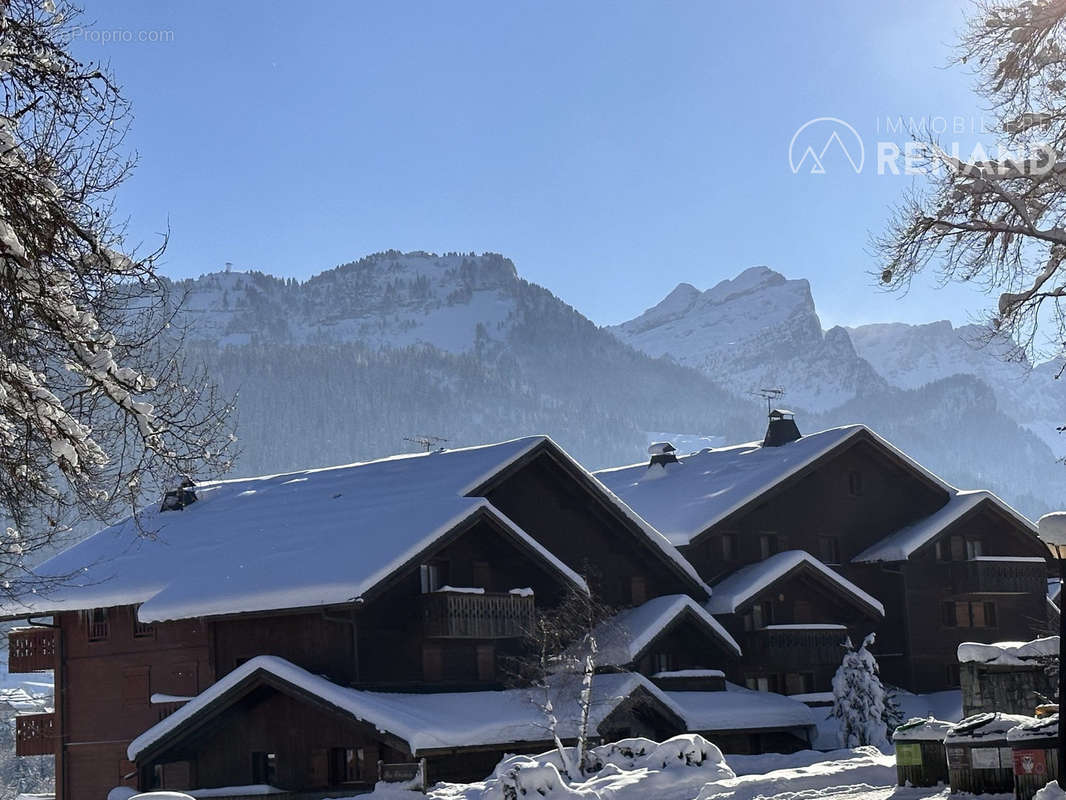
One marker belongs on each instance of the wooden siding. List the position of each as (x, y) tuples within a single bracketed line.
[(571, 523), (36, 735)]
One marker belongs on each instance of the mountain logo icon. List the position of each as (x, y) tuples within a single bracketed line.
[(822, 137)]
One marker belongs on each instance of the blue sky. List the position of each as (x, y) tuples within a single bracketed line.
[(612, 150)]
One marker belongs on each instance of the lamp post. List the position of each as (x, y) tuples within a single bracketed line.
[(1052, 531)]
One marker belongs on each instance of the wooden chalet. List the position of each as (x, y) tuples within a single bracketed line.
[(317, 630), (947, 565), (411, 577)]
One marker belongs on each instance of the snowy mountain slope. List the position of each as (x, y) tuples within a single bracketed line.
[(347, 364), (385, 300), (928, 388), (758, 329), (911, 356)]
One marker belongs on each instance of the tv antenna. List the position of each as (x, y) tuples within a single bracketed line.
[(771, 395), (425, 441)]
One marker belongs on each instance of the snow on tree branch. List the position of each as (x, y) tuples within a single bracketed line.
[(95, 400)]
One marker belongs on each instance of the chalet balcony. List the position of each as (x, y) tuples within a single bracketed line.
[(31, 649), (998, 575), (464, 615), (795, 647), (35, 734)]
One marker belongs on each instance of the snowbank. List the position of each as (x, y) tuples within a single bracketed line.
[(1009, 652)]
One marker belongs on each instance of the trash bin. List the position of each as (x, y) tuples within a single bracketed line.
[(1034, 746), (920, 759), (979, 759)]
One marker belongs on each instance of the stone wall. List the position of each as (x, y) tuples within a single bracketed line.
[(1016, 689)]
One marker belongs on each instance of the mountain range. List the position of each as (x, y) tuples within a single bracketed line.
[(358, 360)]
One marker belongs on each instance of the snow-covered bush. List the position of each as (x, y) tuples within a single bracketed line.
[(675, 768), (859, 698)]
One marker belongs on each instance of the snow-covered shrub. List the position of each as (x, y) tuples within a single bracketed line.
[(859, 698)]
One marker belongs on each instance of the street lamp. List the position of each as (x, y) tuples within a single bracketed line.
[(1052, 531)]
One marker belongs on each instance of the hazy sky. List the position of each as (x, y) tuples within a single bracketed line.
[(611, 150)]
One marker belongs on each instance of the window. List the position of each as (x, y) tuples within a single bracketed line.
[(432, 662), (638, 590), (135, 683), (829, 549), (974, 549), (663, 662), (761, 615), (482, 574), (969, 614), (486, 662), (264, 768), (762, 683), (799, 683), (99, 630), (948, 617), (345, 765), (769, 543), (855, 483), (954, 675), (729, 547), (432, 576)]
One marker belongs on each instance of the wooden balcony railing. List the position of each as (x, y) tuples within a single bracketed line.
[(462, 615), (35, 734), (987, 575), (31, 649), (798, 647)]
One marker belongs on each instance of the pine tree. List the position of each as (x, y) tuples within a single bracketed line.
[(859, 698)]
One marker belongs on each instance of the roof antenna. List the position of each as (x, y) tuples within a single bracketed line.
[(770, 394), (425, 441)]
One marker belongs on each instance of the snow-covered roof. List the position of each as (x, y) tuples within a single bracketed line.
[(427, 721), (984, 727), (900, 545), (685, 498), (738, 708), (736, 589), (1039, 728), (1008, 653), (622, 638), (918, 729), (690, 673), (296, 540)]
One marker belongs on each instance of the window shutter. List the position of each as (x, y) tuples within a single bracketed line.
[(486, 662), (432, 662)]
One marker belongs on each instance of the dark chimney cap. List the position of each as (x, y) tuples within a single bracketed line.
[(177, 499), (662, 453), (782, 428)]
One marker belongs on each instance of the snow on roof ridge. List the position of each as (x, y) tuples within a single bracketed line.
[(533, 439), (622, 637), (900, 545), (737, 587), (769, 466)]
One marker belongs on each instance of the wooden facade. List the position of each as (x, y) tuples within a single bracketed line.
[(852, 498)]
